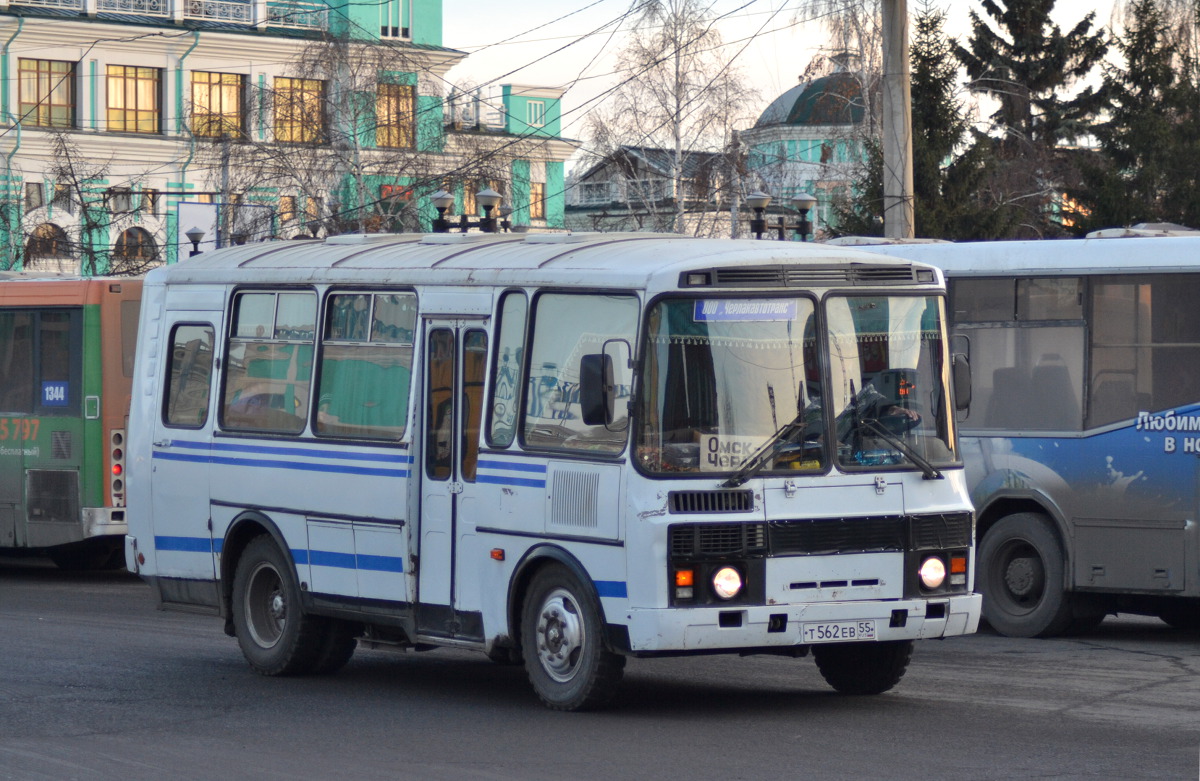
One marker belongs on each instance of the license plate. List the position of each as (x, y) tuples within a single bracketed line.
[(837, 631)]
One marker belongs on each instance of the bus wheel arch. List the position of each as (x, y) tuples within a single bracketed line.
[(1022, 575)]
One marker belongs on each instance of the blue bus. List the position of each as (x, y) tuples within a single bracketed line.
[(1082, 439)]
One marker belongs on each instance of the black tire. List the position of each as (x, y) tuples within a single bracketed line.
[(1182, 614), (275, 635), (561, 641), (1021, 575), (337, 646), (863, 668)]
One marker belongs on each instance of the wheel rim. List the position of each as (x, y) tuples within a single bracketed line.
[(266, 606), (1020, 574), (561, 635)]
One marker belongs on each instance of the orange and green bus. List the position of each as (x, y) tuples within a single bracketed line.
[(66, 365)]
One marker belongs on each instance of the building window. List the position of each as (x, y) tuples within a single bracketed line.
[(134, 99), (299, 110), (535, 111), (136, 244), (35, 196), (217, 104), (47, 241), (287, 208), (47, 90), (120, 200), (62, 198), (395, 116), (150, 202), (537, 201), (312, 209)]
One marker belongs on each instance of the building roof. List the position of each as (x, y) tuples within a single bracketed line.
[(659, 160), (835, 99)]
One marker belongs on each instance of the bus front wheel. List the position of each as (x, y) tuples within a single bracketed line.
[(275, 635), (568, 665), (1021, 574), (863, 668)]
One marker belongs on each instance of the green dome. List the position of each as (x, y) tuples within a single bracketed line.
[(830, 100)]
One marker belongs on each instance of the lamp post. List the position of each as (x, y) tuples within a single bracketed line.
[(488, 198), (195, 236), (803, 202)]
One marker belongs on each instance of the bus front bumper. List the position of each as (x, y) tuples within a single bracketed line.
[(736, 627)]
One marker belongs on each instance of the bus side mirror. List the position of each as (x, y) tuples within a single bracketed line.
[(960, 369), (597, 393)]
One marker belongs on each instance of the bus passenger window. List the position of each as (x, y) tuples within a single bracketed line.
[(506, 375), (16, 362), (269, 363), (365, 365), (189, 374), (567, 327), (439, 413)]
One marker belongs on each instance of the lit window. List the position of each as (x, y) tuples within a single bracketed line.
[(299, 110), (537, 201), (47, 93), (217, 104), (395, 115), (134, 99)]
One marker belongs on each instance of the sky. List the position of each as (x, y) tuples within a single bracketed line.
[(538, 42)]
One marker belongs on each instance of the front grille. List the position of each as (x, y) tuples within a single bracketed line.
[(717, 539), (711, 501), (933, 532), (821, 536), (837, 535), (806, 275)]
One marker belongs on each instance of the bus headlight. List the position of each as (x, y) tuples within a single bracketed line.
[(932, 572), (727, 582)]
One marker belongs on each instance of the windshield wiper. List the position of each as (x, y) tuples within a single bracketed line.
[(758, 459), (927, 469)]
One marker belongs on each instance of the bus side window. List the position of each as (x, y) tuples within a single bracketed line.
[(189, 376), (566, 328), (365, 366), (506, 373), (16, 362), (269, 366), (474, 370)]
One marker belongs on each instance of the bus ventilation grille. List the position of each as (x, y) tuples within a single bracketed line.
[(837, 535), (800, 275), (718, 539), (711, 501), (53, 495), (60, 445), (933, 532)]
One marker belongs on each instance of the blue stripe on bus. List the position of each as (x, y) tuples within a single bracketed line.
[(293, 451), (302, 466), (611, 588), (316, 558), (512, 466), (188, 544), (506, 480)]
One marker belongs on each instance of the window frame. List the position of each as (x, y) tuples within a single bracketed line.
[(125, 81), (395, 116), (293, 117), (165, 412), (221, 121), (42, 105)]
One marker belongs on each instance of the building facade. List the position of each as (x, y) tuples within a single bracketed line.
[(126, 125)]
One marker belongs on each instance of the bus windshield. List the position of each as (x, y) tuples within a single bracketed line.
[(736, 385)]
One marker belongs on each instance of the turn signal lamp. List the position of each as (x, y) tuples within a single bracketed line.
[(685, 577)]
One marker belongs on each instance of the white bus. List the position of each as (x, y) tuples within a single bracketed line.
[(562, 449), (1081, 441)]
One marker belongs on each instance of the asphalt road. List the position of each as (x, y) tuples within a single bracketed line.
[(98, 684)]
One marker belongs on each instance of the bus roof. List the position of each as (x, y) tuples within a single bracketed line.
[(601, 259), (1104, 255), (32, 288)]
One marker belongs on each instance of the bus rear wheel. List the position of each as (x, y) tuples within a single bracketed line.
[(568, 665), (1021, 574), (275, 635), (863, 668)]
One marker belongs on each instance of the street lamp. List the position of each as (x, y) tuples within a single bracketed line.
[(803, 202), (758, 201), (195, 236), (488, 198)]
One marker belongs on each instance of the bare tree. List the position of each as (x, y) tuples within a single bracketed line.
[(679, 92), (855, 28)]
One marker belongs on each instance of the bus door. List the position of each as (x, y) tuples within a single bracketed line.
[(182, 443), (455, 359)]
